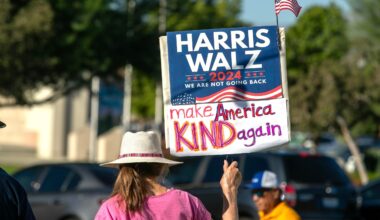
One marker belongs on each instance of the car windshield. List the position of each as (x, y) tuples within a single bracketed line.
[(253, 165), (372, 192), (215, 168), (184, 173), (104, 174), (314, 170)]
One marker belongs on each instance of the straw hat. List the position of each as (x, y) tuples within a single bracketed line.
[(140, 147)]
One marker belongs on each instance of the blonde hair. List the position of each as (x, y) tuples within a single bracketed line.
[(132, 185)]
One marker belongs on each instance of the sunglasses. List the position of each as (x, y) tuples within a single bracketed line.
[(260, 192)]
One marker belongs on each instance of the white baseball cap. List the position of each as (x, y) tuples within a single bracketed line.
[(264, 180)]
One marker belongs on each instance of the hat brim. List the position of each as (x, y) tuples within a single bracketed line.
[(116, 163), (251, 187)]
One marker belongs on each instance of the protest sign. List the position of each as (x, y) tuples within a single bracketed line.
[(224, 91)]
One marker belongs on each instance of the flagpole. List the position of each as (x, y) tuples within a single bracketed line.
[(280, 5), (278, 33)]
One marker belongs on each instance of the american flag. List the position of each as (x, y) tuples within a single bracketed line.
[(291, 5)]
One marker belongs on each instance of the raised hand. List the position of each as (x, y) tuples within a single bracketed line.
[(229, 183)]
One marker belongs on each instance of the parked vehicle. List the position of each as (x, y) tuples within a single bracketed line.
[(370, 195), (314, 185), (66, 191), (327, 144), (365, 142)]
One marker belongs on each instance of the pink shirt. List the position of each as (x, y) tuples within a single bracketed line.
[(174, 205)]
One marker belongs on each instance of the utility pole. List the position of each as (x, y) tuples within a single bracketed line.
[(162, 17), (158, 98), (128, 71), (94, 117), (127, 100), (354, 150)]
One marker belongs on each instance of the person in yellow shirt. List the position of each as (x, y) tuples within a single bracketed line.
[(267, 194)]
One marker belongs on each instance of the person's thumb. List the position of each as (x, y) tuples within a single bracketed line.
[(225, 166)]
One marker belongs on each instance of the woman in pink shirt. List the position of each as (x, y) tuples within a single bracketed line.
[(138, 194)]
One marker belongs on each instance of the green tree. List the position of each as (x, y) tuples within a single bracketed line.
[(56, 43), (334, 89), (365, 32), (203, 14), (333, 75), (326, 90), (24, 35), (318, 35), (52, 43), (315, 46), (365, 55)]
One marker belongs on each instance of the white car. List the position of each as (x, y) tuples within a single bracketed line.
[(66, 191)]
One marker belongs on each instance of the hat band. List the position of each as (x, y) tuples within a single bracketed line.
[(141, 155)]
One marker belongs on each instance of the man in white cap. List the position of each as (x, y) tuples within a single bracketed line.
[(266, 194), (13, 200)]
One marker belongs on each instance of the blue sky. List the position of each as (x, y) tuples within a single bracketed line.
[(261, 12)]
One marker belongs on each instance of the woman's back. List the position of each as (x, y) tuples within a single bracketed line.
[(139, 195), (173, 205)]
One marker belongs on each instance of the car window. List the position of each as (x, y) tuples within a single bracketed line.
[(72, 181), (314, 170), (215, 168), (325, 139), (184, 173), (54, 180), (105, 175), (253, 165), (28, 178), (372, 192)]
